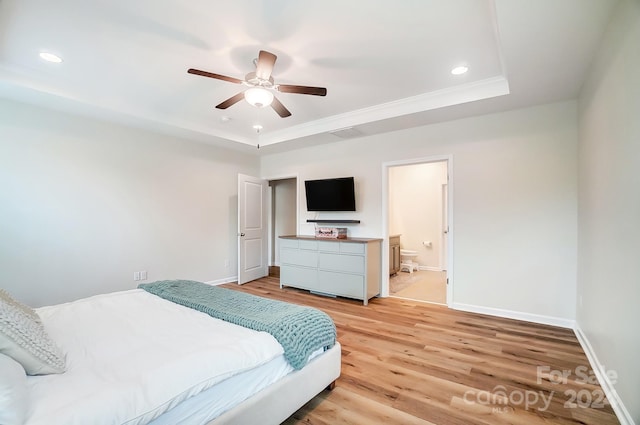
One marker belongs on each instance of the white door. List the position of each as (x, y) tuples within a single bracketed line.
[(252, 228)]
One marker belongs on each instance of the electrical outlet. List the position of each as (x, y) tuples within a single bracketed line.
[(143, 275), (136, 275)]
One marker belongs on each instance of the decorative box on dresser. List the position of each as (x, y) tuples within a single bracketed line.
[(337, 267)]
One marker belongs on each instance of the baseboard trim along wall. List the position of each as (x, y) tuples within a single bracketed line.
[(510, 314), (603, 378), (430, 269), (223, 280)]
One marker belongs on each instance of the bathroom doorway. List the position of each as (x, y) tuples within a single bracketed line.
[(418, 216)]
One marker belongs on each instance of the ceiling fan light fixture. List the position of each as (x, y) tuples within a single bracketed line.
[(258, 97)]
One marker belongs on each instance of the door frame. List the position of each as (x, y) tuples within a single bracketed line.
[(384, 290), (444, 236)]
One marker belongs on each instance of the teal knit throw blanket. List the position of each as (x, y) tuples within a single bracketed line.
[(300, 330)]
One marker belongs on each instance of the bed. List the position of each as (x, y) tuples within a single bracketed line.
[(137, 357)]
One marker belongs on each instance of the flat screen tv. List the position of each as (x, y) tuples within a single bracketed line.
[(330, 194)]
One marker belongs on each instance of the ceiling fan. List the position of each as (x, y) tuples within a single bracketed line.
[(261, 85)]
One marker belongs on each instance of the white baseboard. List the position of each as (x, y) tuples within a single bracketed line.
[(518, 315), (603, 378), (223, 280), (430, 269)]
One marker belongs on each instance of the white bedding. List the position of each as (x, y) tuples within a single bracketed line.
[(133, 356)]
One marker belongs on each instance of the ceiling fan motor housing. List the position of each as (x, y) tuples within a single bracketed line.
[(253, 80)]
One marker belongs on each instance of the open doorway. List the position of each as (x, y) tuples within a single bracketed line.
[(282, 217), (418, 230)]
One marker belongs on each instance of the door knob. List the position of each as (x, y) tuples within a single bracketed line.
[(241, 234)]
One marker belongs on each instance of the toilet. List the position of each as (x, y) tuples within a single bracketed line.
[(407, 262)]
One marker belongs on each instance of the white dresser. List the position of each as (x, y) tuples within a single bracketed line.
[(343, 267)]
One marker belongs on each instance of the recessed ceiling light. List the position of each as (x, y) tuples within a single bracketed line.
[(257, 127), (459, 70), (50, 57)]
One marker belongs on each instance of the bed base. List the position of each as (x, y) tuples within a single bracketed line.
[(277, 402)]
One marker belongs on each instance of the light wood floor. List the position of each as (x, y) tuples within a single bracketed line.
[(406, 362)]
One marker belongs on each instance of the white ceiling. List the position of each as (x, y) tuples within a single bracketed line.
[(386, 64)]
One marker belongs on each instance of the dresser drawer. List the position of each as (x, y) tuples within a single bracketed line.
[(311, 245), (351, 248), (346, 285), (299, 257), (299, 277), (341, 263), (288, 243), (327, 246)]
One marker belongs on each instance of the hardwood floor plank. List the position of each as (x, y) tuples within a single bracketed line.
[(407, 362), (361, 410)]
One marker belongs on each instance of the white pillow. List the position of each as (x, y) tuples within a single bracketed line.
[(24, 339), (13, 392), (5, 297)]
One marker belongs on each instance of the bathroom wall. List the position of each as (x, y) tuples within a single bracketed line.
[(415, 210)]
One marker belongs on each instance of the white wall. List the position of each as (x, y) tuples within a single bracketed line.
[(609, 205), (515, 200), (84, 204), (415, 209)]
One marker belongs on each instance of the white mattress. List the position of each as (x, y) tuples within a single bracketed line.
[(132, 356), (223, 396)]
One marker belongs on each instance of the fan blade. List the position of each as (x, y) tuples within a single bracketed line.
[(265, 64), (316, 91), (216, 76), (279, 108), (231, 101)]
